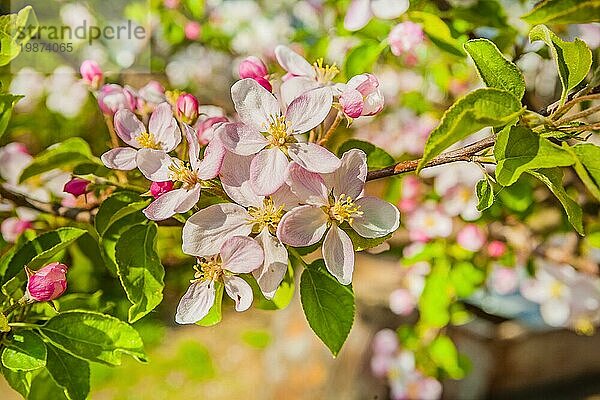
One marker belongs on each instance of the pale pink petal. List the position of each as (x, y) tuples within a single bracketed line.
[(235, 178), (240, 291), (284, 197), (189, 200), (241, 254), (154, 164), (313, 157), (241, 139), (338, 254), (164, 127), (350, 177), (308, 110), (293, 62), (296, 86), (275, 265), (308, 186), (364, 83), (210, 165), (378, 218), (352, 103), (164, 207), (193, 146), (128, 127), (374, 103), (358, 15), (389, 9), (122, 158), (255, 105), (267, 171), (302, 226), (205, 231), (196, 302)]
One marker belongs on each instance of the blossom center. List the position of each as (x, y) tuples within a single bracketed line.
[(267, 216), (344, 209), (278, 131), (556, 289), (180, 173), (325, 73), (209, 269), (148, 141)]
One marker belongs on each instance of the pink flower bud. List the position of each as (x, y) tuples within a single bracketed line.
[(113, 97), (48, 283), (402, 302), (157, 189), (496, 248), (471, 237), (385, 342), (264, 82), (91, 73), (12, 227), (187, 108), (76, 186), (252, 67), (362, 96), (405, 37), (192, 30)]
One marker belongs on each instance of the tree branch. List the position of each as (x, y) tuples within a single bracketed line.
[(466, 153)]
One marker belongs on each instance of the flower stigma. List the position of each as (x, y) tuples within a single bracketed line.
[(180, 173), (325, 73)]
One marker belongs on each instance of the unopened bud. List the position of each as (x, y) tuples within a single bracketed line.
[(187, 108), (113, 97), (76, 186), (47, 283), (157, 189), (91, 73)]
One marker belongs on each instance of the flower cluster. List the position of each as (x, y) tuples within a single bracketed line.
[(281, 187)]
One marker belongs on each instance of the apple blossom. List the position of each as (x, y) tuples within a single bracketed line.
[(471, 237), (360, 12), (113, 98), (192, 30), (503, 280), (496, 248), (271, 133), (76, 186), (402, 302), (237, 255), (149, 96), (46, 284), (91, 73), (187, 108), (253, 68), (12, 227), (205, 128), (332, 200), (428, 222), (404, 38), (161, 137), (362, 96)]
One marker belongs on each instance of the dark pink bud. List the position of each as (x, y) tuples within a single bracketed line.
[(48, 283), (192, 30), (187, 108), (113, 97), (157, 189), (91, 73), (496, 248), (264, 83), (252, 67), (76, 186)]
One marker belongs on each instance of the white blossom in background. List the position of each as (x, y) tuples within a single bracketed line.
[(66, 93), (29, 83)]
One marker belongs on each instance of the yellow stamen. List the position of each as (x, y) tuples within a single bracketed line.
[(344, 209), (325, 73), (266, 216), (556, 289), (278, 131), (180, 173), (584, 326), (148, 141), (209, 269)]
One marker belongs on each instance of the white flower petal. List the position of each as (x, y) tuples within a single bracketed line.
[(302, 226), (308, 110), (254, 104), (128, 127), (350, 177), (154, 164), (313, 157), (379, 218), (389, 9), (338, 254), (241, 139), (235, 178), (241, 254), (210, 166), (296, 86), (189, 200), (191, 137), (195, 303), (293, 62), (164, 127), (555, 312), (166, 205), (275, 265), (267, 171), (122, 158), (205, 231), (358, 15), (308, 186), (240, 291)]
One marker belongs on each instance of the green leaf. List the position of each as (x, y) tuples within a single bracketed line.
[(494, 69), (7, 102), (361, 58), (71, 373), (139, 269), (68, 153), (214, 315), (436, 298), (438, 32), (15, 31), (552, 177), (93, 336), (519, 149), (485, 194), (564, 12), (25, 351), (18, 380), (117, 206), (477, 110), (587, 165), (377, 158), (573, 59), (43, 387), (360, 243), (328, 305), (444, 354), (39, 249)]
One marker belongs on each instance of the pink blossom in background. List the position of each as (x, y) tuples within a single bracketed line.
[(360, 12), (12, 227), (47, 283), (471, 237), (402, 302), (503, 280), (253, 68), (192, 30), (91, 73), (149, 96), (172, 4), (496, 248), (404, 39), (113, 98), (428, 222)]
